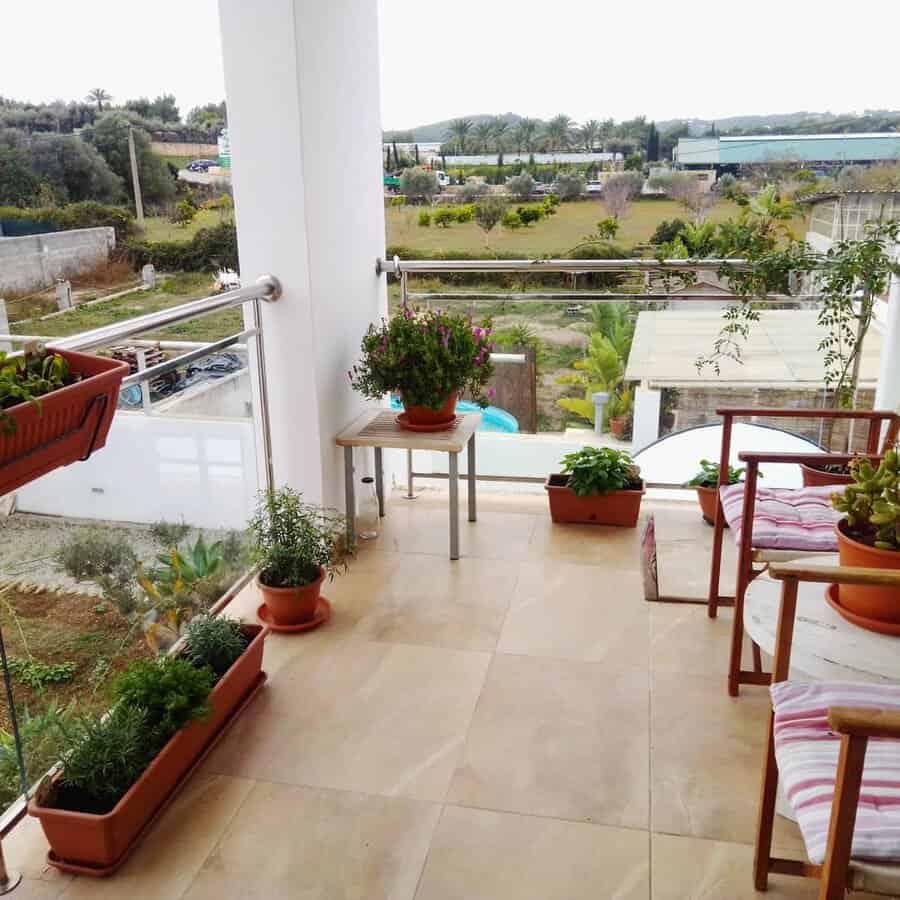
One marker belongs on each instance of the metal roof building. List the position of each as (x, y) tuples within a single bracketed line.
[(766, 148)]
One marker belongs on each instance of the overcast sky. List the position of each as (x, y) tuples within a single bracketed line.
[(581, 57)]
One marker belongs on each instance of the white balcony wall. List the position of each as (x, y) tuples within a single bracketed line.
[(302, 84), (197, 470)]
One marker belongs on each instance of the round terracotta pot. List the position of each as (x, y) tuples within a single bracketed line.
[(813, 477), (879, 603), (708, 498), (422, 415), (617, 425), (292, 605)]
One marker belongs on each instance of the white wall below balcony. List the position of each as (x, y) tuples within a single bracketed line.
[(200, 471), (302, 85)]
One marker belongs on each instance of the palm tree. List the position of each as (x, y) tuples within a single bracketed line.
[(98, 96), (524, 134), (458, 131), (484, 133), (589, 134), (558, 132), (499, 130)]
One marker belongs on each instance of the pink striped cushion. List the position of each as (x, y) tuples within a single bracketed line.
[(807, 754), (785, 519)]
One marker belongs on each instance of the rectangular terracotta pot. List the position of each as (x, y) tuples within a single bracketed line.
[(617, 508), (68, 425), (101, 841)]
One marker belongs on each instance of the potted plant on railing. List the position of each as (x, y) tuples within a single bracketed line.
[(297, 545), (869, 537), (706, 482), (619, 409), (597, 486), (56, 407), (120, 770), (428, 357), (823, 474)]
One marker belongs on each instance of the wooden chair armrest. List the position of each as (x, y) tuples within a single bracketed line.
[(862, 722), (803, 571), (782, 413), (749, 456)]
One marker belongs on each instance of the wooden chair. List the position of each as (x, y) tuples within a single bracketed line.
[(839, 754), (752, 559)]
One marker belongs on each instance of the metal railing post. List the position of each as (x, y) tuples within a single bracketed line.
[(146, 404)]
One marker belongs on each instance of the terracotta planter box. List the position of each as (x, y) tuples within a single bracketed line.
[(98, 844), (69, 425), (617, 508), (875, 604), (813, 477)]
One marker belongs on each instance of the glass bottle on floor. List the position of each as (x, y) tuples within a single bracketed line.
[(367, 510)]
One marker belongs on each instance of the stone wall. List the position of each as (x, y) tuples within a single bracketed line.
[(35, 262), (697, 406), (175, 148)]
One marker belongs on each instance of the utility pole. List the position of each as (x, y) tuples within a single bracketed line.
[(135, 180)]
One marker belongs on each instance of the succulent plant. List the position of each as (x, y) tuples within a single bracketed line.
[(872, 501)]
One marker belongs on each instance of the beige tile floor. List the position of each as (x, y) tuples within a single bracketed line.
[(516, 725)]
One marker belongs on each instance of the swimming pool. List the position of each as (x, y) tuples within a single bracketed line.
[(492, 419)]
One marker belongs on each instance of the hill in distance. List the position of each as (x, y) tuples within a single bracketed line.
[(803, 122)]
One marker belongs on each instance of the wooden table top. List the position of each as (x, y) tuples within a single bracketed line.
[(826, 646), (379, 428)]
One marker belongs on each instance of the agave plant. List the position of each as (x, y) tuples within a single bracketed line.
[(872, 501)]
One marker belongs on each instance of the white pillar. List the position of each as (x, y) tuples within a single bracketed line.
[(304, 121), (645, 429), (887, 394), (5, 346)]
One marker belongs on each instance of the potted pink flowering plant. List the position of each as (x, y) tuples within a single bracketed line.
[(429, 357)]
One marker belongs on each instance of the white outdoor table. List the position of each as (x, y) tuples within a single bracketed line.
[(826, 647), (379, 429)]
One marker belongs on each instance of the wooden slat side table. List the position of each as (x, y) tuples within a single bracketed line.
[(379, 429)]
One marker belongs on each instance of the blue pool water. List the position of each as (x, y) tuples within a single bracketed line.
[(492, 419)]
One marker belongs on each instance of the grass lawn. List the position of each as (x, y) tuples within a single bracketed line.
[(159, 228), (177, 289), (549, 237)]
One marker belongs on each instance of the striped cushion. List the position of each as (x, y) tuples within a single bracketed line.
[(807, 755), (785, 519)]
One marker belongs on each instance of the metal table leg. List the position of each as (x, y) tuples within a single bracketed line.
[(471, 465), (379, 481), (454, 505), (350, 497)]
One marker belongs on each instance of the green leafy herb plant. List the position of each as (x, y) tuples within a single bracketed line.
[(214, 642), (27, 378), (600, 470), (708, 476)]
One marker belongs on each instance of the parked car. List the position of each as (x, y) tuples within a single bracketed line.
[(443, 179), (542, 189), (594, 187), (202, 165)]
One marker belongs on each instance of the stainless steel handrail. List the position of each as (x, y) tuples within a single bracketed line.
[(267, 287), (398, 266)]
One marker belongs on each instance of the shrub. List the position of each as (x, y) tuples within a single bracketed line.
[(92, 554), (594, 470), (528, 215), (43, 741), (214, 642), (170, 691), (209, 250), (667, 231), (569, 186), (520, 186), (424, 219), (511, 219), (472, 191), (465, 213), (418, 183), (86, 214), (184, 213), (444, 217), (169, 534), (292, 539)]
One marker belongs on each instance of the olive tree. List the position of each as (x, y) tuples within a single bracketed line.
[(418, 184), (569, 186), (619, 191), (521, 186), (489, 213)]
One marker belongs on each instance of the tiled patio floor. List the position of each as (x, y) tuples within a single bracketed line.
[(516, 725)]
